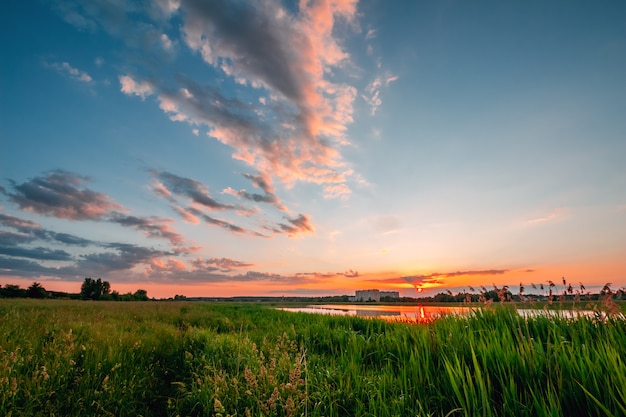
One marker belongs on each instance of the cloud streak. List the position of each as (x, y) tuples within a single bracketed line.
[(262, 182), (151, 226), (36, 253), (62, 194), (294, 226), (372, 95), (556, 214), (436, 279), (190, 199), (169, 185), (66, 69)]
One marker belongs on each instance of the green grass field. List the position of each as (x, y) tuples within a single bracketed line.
[(76, 358)]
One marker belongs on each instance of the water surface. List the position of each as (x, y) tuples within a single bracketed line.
[(386, 312), (421, 313)]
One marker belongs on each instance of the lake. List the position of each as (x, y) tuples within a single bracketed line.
[(387, 312), (420, 313)]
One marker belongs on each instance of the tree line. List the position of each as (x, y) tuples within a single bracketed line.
[(91, 289)]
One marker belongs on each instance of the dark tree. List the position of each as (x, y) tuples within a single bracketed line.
[(94, 289), (140, 295), (36, 291), (444, 298), (12, 291)]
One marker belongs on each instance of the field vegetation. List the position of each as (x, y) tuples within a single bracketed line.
[(78, 358)]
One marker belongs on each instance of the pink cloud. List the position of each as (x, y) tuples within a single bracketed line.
[(290, 55), (170, 264), (138, 88)]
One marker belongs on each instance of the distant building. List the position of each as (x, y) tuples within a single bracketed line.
[(390, 294), (373, 295), (367, 295)]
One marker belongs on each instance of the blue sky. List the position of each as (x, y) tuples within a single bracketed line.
[(313, 147)]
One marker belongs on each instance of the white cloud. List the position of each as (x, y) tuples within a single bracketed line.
[(166, 42), (132, 87), (373, 91)]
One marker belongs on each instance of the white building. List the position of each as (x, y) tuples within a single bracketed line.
[(367, 295)]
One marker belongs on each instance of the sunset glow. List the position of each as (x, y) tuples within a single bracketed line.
[(221, 148)]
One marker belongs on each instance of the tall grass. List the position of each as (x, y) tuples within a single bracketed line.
[(71, 358)]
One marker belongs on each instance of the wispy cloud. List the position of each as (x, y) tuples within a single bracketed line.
[(67, 70), (22, 225), (62, 194), (554, 215), (348, 274), (262, 182), (218, 222), (152, 227), (168, 185), (372, 95), (294, 226), (220, 264), (190, 198), (39, 253), (8, 238)]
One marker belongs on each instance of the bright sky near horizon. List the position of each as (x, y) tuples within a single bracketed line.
[(227, 147)]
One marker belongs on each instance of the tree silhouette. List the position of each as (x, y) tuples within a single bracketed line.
[(12, 291), (36, 291), (94, 289), (140, 295)]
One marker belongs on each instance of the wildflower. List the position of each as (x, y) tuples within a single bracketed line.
[(290, 407), (44, 373), (218, 407), (250, 378)]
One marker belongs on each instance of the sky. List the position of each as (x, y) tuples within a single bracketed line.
[(282, 148)]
